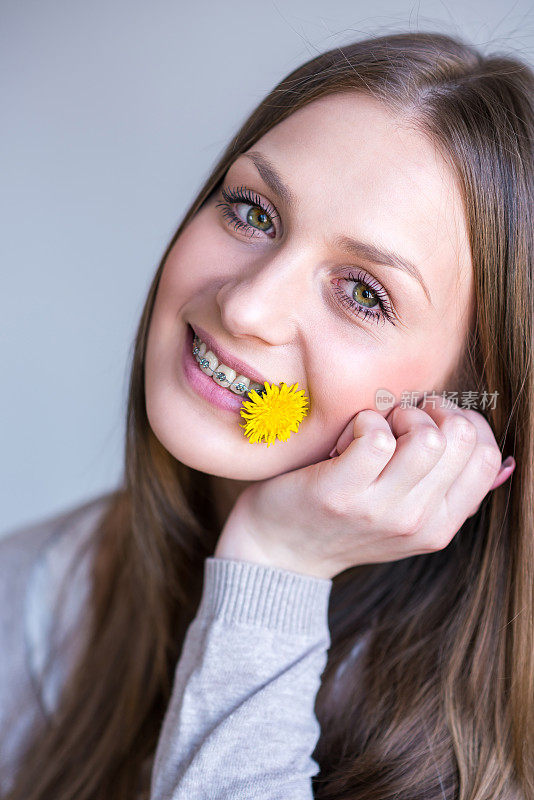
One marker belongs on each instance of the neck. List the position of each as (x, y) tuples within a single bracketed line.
[(225, 493)]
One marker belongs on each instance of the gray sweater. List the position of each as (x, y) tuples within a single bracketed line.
[(240, 723)]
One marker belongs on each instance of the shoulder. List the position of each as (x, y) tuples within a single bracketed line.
[(44, 572), (20, 547), (36, 560), (31, 551), (56, 597)]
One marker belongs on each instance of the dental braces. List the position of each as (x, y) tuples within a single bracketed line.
[(204, 362)]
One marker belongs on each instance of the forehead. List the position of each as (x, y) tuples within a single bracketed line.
[(355, 140), (355, 169)]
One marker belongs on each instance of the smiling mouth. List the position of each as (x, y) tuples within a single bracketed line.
[(220, 372)]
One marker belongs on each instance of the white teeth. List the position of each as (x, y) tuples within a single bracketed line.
[(208, 363), (201, 349), (222, 374), (240, 384)]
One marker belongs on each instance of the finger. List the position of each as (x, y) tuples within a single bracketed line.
[(474, 481), (357, 423), (507, 468), (366, 446), (502, 477), (420, 445), (429, 493)]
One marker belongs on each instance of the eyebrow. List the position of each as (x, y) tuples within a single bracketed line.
[(356, 247)]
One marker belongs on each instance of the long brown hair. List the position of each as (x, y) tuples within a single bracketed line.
[(439, 703)]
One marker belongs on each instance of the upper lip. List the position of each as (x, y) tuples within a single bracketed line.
[(240, 367)]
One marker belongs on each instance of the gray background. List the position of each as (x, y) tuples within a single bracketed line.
[(113, 113)]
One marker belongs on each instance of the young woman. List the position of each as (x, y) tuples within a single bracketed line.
[(296, 620)]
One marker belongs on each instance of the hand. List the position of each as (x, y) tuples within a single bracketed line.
[(402, 485)]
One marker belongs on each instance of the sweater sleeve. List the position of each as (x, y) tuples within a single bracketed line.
[(240, 724)]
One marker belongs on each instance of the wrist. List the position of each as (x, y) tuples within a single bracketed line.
[(244, 539), (238, 540)]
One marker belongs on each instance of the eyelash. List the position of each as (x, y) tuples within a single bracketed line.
[(244, 195)]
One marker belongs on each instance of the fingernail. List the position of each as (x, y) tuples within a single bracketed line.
[(508, 462), (507, 468), (333, 452), (346, 438)]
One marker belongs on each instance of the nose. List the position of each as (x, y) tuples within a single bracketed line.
[(264, 301)]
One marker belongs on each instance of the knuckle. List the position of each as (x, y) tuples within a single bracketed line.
[(409, 523), (439, 541), (474, 511), (462, 429), (370, 519), (381, 441), (429, 437), (335, 503), (338, 501), (490, 458)]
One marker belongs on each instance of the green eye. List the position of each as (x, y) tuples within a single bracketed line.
[(365, 295), (363, 301), (259, 218)]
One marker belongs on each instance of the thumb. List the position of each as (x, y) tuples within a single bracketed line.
[(365, 446), (346, 437), (355, 428)]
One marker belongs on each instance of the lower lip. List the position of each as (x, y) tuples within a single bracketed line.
[(203, 384)]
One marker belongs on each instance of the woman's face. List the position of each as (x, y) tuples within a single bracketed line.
[(282, 292)]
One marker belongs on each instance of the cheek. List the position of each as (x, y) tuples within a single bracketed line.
[(410, 373), (418, 368), (346, 383), (350, 383), (194, 259)]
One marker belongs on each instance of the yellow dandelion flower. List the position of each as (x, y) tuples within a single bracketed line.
[(274, 414)]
